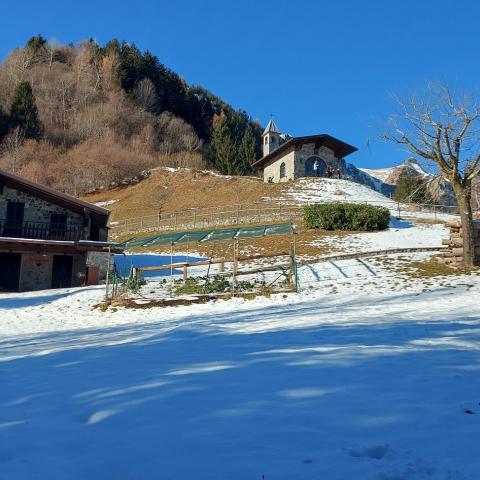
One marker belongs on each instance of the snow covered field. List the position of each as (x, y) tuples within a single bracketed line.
[(373, 381), (368, 373), (401, 234), (322, 190)]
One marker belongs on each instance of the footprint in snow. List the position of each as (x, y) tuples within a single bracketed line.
[(376, 452)]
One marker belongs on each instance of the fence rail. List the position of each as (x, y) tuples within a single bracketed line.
[(248, 214), (207, 217)]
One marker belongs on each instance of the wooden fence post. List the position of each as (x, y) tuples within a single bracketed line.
[(107, 279)]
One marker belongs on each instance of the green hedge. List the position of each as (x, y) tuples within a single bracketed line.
[(346, 216)]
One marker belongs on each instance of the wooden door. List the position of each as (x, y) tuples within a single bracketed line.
[(62, 271), (10, 271)]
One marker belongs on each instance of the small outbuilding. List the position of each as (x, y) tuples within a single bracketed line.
[(286, 158)]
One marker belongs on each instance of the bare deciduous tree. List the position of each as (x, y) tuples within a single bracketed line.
[(9, 149), (145, 94), (441, 128)]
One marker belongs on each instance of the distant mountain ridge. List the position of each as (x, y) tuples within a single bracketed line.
[(386, 179)]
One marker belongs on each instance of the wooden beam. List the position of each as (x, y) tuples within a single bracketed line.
[(210, 262)]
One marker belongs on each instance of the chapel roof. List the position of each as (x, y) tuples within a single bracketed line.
[(271, 127), (340, 148)]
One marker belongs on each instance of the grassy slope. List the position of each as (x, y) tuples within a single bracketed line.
[(182, 189), (187, 189)]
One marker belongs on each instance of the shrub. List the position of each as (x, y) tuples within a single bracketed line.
[(346, 216)]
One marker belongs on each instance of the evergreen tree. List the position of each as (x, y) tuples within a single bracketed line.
[(4, 121), (413, 189), (247, 153), (223, 148), (23, 112), (36, 43), (194, 104)]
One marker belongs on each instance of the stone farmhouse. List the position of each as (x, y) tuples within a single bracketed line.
[(286, 158), (48, 239)]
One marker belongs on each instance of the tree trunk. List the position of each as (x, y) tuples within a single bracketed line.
[(465, 209)]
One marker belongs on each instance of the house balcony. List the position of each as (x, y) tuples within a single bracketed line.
[(41, 231)]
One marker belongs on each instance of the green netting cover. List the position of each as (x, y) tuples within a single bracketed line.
[(164, 239), (138, 242), (224, 234), (278, 229), (192, 237), (248, 232), (209, 235)]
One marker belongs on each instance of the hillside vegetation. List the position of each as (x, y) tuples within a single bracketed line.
[(84, 117)]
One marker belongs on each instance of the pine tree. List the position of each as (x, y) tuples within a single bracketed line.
[(4, 120), (24, 113), (223, 148), (247, 152), (412, 189), (36, 43)]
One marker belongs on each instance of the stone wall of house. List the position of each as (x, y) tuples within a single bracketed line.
[(309, 150), (453, 254), (100, 260), (36, 271), (272, 170), (38, 210), (295, 162)]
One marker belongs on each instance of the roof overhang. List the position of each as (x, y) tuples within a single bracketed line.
[(54, 246), (98, 214), (340, 148)]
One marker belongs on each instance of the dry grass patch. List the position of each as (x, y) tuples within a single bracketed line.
[(182, 189), (426, 221), (434, 268)]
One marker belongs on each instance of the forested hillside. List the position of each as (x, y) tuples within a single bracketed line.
[(84, 117)]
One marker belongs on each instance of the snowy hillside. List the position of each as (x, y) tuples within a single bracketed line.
[(320, 190), (390, 176), (367, 374), (380, 174)]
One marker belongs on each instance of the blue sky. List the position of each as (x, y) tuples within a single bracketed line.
[(317, 66)]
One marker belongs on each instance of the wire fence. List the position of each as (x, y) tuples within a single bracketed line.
[(195, 280), (195, 218), (256, 213)]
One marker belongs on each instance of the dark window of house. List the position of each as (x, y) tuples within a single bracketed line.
[(13, 226), (94, 232), (58, 226), (282, 170)]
